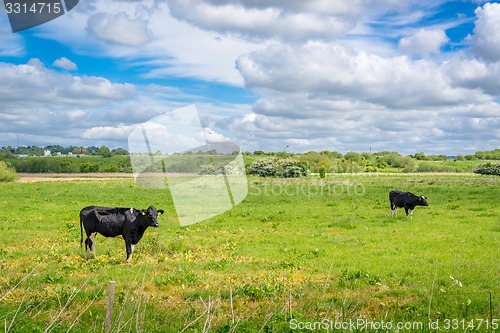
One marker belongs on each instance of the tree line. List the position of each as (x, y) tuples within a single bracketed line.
[(55, 149)]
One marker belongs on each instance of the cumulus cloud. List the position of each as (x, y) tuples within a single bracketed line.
[(118, 28), (65, 63), (377, 128), (337, 72), (474, 74), (34, 83), (109, 133), (486, 38), (424, 42), (332, 97), (261, 23), (41, 101), (281, 20), (325, 74), (213, 136)]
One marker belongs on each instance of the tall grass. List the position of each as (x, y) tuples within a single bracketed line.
[(7, 174)]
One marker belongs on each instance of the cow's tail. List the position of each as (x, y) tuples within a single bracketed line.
[(81, 230)]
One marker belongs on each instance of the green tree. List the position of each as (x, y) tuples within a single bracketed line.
[(323, 167), (353, 156), (419, 156), (104, 152), (120, 151), (80, 151)]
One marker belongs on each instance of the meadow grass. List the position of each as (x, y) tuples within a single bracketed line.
[(330, 245)]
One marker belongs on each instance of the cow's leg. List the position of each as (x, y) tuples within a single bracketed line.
[(411, 214), (406, 210), (130, 248), (92, 237), (394, 211), (88, 246)]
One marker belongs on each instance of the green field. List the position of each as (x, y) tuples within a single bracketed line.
[(328, 245)]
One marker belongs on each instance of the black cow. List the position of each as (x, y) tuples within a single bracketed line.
[(406, 200), (130, 223)]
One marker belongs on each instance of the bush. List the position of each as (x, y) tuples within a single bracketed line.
[(89, 167), (232, 168), (348, 167), (435, 167), (353, 156), (7, 174), (275, 167), (488, 169), (402, 161), (411, 166)]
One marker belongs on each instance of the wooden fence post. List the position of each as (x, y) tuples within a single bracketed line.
[(109, 306)]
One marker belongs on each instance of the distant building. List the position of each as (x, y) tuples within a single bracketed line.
[(46, 152)]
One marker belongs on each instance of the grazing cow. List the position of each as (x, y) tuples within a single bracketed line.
[(406, 200), (130, 223)]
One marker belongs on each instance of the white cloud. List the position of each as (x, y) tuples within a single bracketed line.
[(65, 63), (327, 74), (115, 133), (170, 47), (326, 96), (44, 102), (474, 74), (261, 23), (118, 28), (486, 38), (334, 71), (34, 84), (213, 136), (424, 42), (282, 20), (98, 87), (443, 130)]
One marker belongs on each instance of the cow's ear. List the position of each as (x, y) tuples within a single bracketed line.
[(161, 211)]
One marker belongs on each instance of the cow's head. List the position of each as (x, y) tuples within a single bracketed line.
[(152, 215), (423, 201)]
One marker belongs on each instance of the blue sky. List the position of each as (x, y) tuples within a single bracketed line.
[(346, 75)]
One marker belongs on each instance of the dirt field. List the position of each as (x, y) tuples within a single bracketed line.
[(43, 177)]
